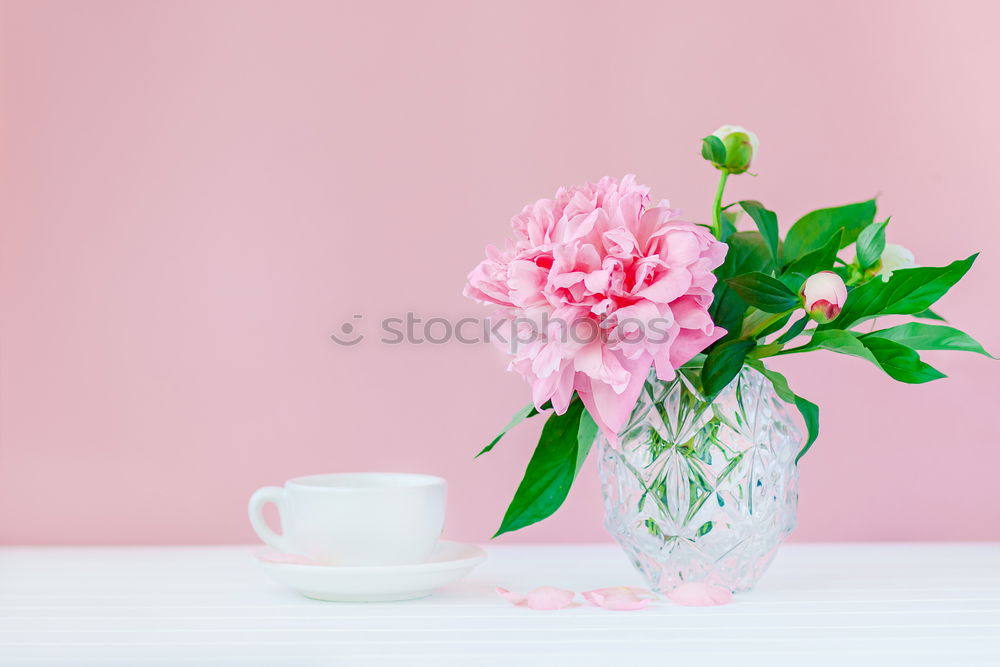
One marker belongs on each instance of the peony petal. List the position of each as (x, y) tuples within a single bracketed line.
[(544, 598), (547, 598), (598, 282), (611, 409), (603, 366), (690, 342), (667, 286), (563, 393), (510, 596), (582, 385), (542, 389), (690, 314), (652, 220), (619, 242), (700, 594), (619, 598), (680, 247), (624, 602)]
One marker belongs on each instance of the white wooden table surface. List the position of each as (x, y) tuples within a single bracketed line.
[(819, 604)]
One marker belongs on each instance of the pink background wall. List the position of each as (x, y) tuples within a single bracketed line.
[(194, 195)]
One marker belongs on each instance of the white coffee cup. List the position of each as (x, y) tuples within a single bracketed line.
[(366, 518)]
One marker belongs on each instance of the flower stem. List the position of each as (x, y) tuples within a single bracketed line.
[(792, 350), (717, 206)]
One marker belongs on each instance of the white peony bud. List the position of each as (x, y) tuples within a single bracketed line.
[(895, 257), (823, 295)]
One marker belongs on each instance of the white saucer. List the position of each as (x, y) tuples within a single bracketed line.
[(449, 562)]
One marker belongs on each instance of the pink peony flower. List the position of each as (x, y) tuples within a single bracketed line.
[(595, 290)]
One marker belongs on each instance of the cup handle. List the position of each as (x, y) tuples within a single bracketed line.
[(260, 497)]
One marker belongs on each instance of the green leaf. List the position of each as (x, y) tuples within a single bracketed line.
[(767, 224), (929, 315), (797, 327), (810, 415), (871, 243), (901, 362), (561, 451), (519, 416), (821, 259), (764, 292), (908, 291), (793, 281), (697, 361), (813, 230), (922, 336), (747, 252), (897, 360), (713, 150), (727, 310), (723, 364), (840, 341), (808, 410)]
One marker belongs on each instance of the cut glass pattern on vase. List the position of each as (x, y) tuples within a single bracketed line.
[(699, 491)]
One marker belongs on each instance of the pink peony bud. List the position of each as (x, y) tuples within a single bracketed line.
[(823, 295)]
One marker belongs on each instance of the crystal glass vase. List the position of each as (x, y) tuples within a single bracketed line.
[(702, 491)]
